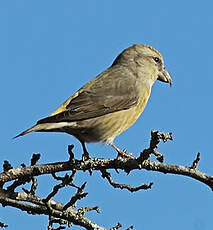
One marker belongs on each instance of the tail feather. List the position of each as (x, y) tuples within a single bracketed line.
[(47, 127), (32, 129)]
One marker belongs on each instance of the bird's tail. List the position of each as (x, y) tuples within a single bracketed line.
[(35, 128)]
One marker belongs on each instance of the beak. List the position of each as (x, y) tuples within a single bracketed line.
[(164, 76)]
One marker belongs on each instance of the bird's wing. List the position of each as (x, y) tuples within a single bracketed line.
[(97, 99), (89, 105)]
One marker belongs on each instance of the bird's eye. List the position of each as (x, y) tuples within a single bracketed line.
[(156, 59)]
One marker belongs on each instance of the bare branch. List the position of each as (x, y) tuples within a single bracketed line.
[(107, 175), (76, 217), (67, 214), (65, 181), (78, 196), (99, 164)]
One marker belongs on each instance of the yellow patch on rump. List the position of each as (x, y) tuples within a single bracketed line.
[(62, 108)]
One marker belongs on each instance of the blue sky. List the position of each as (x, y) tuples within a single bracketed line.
[(49, 49)]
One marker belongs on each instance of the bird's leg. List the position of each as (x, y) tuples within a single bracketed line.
[(85, 155), (120, 152)]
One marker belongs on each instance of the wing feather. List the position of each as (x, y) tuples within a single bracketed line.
[(100, 98), (88, 105)]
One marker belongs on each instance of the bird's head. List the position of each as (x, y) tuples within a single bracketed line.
[(146, 62)]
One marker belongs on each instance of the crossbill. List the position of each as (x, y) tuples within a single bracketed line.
[(111, 102)]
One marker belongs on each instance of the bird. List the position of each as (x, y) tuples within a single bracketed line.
[(111, 102)]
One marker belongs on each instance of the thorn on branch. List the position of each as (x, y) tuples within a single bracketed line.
[(83, 186), (119, 225), (90, 171), (7, 166), (116, 170), (35, 158), (158, 155), (2, 225), (107, 175), (196, 161)]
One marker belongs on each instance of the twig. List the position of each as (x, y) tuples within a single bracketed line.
[(2, 225), (71, 154), (65, 181), (195, 162), (70, 215), (116, 227), (61, 223), (156, 137), (78, 196), (107, 175), (84, 210)]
